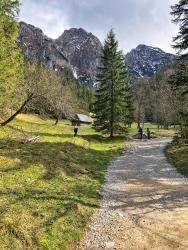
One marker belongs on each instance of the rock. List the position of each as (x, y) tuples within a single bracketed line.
[(38, 47), (109, 244), (80, 51), (145, 61), (83, 50)]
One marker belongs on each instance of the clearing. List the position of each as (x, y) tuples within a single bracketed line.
[(145, 203)]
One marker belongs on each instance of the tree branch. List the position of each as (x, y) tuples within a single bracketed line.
[(18, 111)]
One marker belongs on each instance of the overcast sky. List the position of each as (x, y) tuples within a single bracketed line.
[(134, 21)]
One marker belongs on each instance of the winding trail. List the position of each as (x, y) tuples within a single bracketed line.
[(145, 203)]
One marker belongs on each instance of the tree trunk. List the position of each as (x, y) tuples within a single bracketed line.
[(56, 121), (112, 111), (58, 118), (17, 112), (111, 133), (139, 117)]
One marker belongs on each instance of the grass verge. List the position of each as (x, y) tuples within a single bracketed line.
[(177, 153)]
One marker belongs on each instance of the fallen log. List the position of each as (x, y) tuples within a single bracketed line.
[(30, 139)]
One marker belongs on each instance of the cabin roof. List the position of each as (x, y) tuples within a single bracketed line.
[(83, 118)]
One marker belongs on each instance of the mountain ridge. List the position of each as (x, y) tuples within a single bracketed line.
[(80, 51), (145, 61), (83, 51)]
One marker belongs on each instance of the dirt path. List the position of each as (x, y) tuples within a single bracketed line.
[(145, 204)]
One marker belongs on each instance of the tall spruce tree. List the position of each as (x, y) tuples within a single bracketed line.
[(11, 59), (111, 94), (179, 80), (179, 84), (128, 108), (180, 14)]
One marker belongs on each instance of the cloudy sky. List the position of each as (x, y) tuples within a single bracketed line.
[(134, 21)]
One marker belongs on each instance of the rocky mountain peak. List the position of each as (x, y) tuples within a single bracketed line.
[(79, 33), (83, 51), (80, 51), (145, 61), (39, 47)]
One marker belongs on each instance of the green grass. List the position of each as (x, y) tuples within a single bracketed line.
[(177, 153), (49, 189), (153, 128)]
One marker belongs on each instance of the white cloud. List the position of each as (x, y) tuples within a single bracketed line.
[(134, 21), (47, 17)]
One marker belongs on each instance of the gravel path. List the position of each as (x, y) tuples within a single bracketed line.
[(145, 203)]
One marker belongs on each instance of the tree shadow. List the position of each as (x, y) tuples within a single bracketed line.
[(80, 171), (68, 157), (104, 138), (155, 182)]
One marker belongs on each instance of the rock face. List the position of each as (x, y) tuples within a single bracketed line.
[(145, 61), (80, 51), (38, 47), (83, 50)]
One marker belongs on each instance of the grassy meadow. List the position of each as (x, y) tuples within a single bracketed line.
[(50, 188)]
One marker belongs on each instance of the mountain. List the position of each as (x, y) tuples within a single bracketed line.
[(38, 47), (80, 51), (75, 49), (83, 50), (145, 61)]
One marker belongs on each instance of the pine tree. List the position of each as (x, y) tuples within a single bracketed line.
[(128, 108), (180, 13), (179, 83), (129, 112), (11, 59), (179, 80), (110, 98)]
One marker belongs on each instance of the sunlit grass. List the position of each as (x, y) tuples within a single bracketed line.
[(177, 153), (153, 128), (49, 189)]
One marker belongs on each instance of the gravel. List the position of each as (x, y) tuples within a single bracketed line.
[(145, 203)]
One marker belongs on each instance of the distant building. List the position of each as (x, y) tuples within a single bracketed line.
[(80, 119)]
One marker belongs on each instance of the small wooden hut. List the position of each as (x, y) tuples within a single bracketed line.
[(81, 120)]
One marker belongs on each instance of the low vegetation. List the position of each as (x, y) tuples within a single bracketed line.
[(49, 188), (177, 153), (159, 132)]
